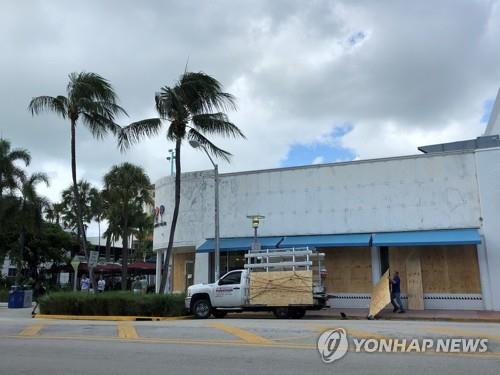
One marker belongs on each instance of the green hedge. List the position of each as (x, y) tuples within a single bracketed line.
[(112, 303), (4, 295)]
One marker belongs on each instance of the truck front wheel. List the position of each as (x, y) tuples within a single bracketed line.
[(202, 309)]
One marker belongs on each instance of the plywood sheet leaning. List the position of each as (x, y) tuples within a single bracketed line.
[(414, 289), (381, 295), (281, 288)]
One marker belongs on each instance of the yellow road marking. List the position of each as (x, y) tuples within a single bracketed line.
[(32, 329), (126, 330), (110, 318), (450, 331), (487, 355), (351, 331), (243, 334)]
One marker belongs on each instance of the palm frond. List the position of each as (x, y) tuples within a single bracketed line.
[(203, 93), (58, 105), (133, 133), (20, 154), (209, 146), (170, 105), (100, 125), (90, 85), (216, 123)]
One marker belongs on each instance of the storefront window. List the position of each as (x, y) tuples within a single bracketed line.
[(229, 260)]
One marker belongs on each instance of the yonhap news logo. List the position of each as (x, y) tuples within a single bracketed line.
[(333, 344)]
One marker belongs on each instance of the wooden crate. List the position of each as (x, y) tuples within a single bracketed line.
[(281, 288)]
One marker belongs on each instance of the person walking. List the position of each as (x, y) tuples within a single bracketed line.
[(84, 284), (101, 285), (395, 283), (38, 292)]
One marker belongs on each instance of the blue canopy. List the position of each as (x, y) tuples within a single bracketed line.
[(329, 240), (238, 244), (428, 237)]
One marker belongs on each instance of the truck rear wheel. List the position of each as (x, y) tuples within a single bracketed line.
[(281, 312), (202, 309), (219, 314), (297, 313)]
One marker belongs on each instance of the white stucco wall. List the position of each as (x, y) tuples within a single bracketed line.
[(488, 177), (395, 194)]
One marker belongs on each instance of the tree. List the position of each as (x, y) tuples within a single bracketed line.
[(195, 109), (91, 99), (86, 194), (10, 174), (127, 189), (97, 209), (29, 216)]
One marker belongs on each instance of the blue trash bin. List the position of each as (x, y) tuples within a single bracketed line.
[(16, 299)]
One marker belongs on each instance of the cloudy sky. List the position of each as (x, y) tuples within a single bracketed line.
[(316, 81)]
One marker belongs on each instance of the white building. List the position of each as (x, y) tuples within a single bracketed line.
[(434, 217)]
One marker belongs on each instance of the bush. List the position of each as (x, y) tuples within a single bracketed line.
[(112, 303), (4, 295)]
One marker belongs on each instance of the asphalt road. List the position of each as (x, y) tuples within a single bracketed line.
[(227, 346)]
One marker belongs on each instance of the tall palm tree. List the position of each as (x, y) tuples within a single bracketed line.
[(29, 215), (91, 99), (10, 174), (194, 109), (127, 187)]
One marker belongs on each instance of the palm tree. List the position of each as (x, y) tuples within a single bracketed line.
[(127, 188), (98, 209), (194, 109), (86, 193), (91, 99), (29, 215), (10, 174)]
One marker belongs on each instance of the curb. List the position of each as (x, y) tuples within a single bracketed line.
[(110, 318), (412, 318)]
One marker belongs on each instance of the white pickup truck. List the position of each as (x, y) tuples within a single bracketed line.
[(285, 281)]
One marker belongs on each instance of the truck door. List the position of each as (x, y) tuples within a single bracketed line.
[(228, 290)]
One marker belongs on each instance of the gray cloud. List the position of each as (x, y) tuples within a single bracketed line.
[(419, 74)]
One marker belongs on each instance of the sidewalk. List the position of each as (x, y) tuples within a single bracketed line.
[(439, 315)]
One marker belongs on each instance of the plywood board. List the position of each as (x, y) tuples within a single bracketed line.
[(349, 269), (281, 288), (381, 295), (414, 289), (179, 271)]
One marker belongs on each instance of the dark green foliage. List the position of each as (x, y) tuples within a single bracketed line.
[(112, 304)]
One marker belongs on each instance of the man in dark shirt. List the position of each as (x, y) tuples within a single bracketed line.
[(396, 293)]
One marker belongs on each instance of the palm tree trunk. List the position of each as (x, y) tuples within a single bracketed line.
[(76, 193), (125, 255), (108, 248), (22, 240), (175, 215)]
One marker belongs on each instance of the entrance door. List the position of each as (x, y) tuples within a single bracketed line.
[(228, 290), (188, 274)]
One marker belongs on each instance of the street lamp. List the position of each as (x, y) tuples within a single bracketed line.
[(255, 224), (171, 159), (196, 144)]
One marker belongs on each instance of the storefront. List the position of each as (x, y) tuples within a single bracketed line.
[(434, 218)]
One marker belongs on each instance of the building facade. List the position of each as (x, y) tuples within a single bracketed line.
[(433, 217)]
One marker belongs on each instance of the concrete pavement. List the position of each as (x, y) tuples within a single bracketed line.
[(226, 346)]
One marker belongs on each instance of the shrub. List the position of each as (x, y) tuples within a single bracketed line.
[(112, 303), (4, 295)]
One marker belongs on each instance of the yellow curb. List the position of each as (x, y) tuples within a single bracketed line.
[(110, 318)]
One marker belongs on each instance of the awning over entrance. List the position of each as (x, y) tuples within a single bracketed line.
[(428, 237), (330, 240), (238, 244)]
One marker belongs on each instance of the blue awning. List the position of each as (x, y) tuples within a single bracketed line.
[(238, 244), (329, 240), (428, 237)]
